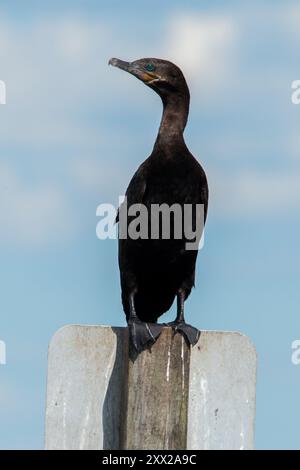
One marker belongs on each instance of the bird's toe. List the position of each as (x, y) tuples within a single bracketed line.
[(189, 332), (143, 335)]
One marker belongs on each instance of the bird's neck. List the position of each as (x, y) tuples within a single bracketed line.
[(173, 121)]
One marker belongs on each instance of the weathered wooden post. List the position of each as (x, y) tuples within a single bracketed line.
[(101, 395), (157, 395)]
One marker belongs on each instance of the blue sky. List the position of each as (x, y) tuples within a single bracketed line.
[(72, 133)]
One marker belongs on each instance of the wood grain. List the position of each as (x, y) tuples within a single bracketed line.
[(156, 406)]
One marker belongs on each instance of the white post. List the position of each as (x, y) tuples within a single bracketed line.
[(87, 393)]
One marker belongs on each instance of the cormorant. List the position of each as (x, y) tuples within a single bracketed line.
[(155, 271)]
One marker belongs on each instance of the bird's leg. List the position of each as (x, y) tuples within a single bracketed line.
[(142, 334), (132, 312), (180, 307), (190, 333)]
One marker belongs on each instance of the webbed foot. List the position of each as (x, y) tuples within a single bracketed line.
[(190, 333), (142, 334)]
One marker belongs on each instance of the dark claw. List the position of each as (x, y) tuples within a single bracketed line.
[(143, 335), (190, 333)]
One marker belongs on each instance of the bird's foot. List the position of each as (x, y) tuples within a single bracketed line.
[(142, 334), (189, 332)]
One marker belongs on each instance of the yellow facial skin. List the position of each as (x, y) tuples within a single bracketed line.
[(148, 77)]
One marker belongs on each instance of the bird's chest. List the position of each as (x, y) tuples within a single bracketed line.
[(169, 184)]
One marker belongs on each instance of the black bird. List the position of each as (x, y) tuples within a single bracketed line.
[(155, 271)]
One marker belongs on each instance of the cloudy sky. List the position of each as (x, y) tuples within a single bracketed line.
[(74, 130)]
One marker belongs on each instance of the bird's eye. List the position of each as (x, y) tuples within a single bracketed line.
[(150, 67)]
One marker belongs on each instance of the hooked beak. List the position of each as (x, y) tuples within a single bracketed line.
[(135, 69)]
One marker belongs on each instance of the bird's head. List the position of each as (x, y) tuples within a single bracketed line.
[(161, 75)]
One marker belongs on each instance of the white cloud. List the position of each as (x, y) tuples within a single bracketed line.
[(253, 193), (290, 20), (51, 68), (32, 214), (202, 45), (75, 40), (96, 177)]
